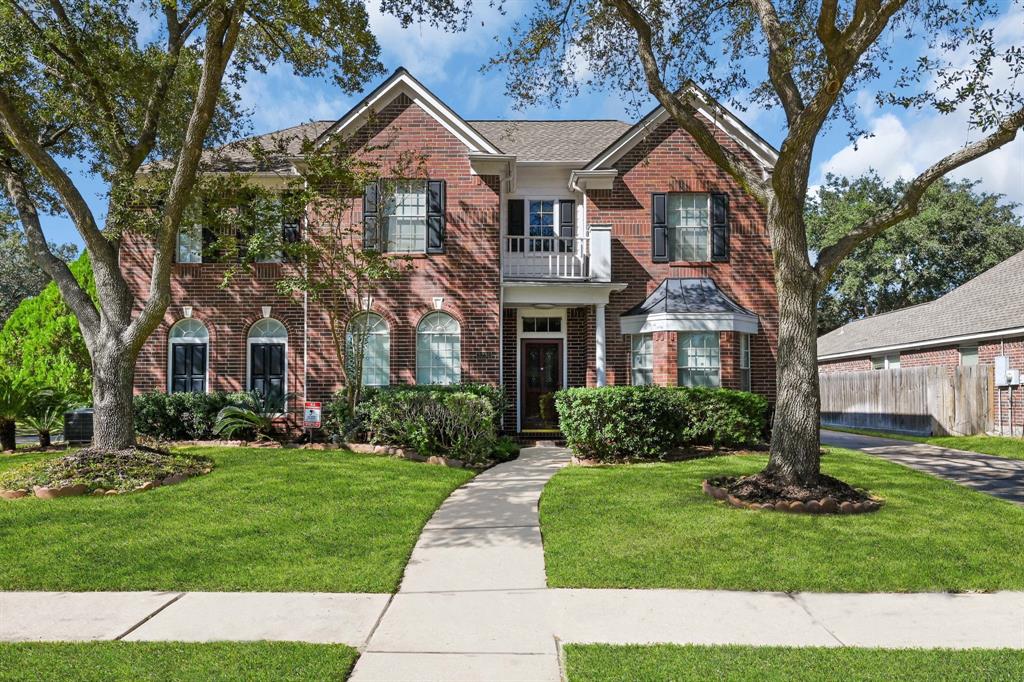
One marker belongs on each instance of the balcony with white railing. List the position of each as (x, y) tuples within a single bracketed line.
[(579, 258)]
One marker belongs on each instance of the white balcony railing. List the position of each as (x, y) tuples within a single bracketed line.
[(542, 258)]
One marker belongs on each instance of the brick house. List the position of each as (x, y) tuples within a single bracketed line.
[(545, 254), (980, 323)]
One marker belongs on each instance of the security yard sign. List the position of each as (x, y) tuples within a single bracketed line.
[(311, 416)]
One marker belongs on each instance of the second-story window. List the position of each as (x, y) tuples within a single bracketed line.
[(542, 224), (405, 216), (190, 243), (689, 222)]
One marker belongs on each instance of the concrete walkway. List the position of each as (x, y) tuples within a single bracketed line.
[(997, 476), (474, 605)]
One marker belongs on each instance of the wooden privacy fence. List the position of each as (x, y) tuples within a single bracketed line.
[(917, 400)]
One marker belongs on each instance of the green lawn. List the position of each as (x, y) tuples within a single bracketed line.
[(1001, 446), (264, 520), (175, 661), (650, 526), (664, 663)]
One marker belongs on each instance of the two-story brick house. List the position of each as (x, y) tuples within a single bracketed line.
[(545, 254)]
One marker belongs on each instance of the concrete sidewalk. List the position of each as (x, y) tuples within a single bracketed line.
[(474, 605), (997, 476)]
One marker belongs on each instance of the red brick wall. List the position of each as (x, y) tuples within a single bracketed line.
[(668, 160), (466, 275), (849, 365)]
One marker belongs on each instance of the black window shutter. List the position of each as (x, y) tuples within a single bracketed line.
[(188, 368), (566, 224), (435, 216), (659, 229), (516, 224), (720, 227), (371, 225), (209, 238)]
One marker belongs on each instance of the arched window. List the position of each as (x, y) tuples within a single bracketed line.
[(438, 350), (268, 365), (187, 357), (371, 330)]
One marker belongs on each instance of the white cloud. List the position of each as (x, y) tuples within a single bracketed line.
[(903, 146)]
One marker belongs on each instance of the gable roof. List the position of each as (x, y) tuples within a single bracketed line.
[(576, 141), (706, 105), (986, 305), (402, 82)]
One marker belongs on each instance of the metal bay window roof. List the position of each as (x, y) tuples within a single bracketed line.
[(686, 305)]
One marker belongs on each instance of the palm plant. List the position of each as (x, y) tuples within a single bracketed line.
[(257, 416), (44, 413), (15, 395)]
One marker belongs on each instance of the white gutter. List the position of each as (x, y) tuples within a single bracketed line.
[(944, 341)]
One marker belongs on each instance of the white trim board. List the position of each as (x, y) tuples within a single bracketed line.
[(402, 82), (688, 322)]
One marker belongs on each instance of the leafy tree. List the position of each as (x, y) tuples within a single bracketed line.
[(958, 234), (41, 345), (810, 60), (20, 277), (78, 78)]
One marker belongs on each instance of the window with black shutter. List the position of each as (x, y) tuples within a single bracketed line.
[(371, 225), (435, 216), (566, 225), (720, 227), (516, 225), (659, 229)]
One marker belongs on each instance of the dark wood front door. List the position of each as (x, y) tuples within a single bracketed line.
[(541, 377)]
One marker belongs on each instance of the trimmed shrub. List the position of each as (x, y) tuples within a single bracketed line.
[(432, 420), (182, 416), (722, 417), (624, 423), (620, 423)]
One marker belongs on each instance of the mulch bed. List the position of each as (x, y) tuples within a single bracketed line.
[(827, 496), (99, 472)]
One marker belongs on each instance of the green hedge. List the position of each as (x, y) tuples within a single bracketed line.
[(182, 416), (623, 423), (453, 421)]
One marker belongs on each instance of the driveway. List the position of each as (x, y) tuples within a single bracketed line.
[(997, 476)]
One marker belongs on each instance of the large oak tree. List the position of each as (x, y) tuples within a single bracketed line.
[(115, 84), (809, 60)]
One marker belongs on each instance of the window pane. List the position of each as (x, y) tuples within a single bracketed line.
[(373, 330), (190, 244), (405, 216), (688, 226), (969, 356), (542, 224), (438, 350), (699, 359), (642, 359)]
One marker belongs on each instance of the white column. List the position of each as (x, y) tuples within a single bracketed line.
[(599, 343)]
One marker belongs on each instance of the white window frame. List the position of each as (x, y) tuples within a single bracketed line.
[(251, 340), (420, 331), (880, 362), (745, 375), (673, 232), (387, 332), (389, 211), (711, 352), (171, 342), (648, 354), (189, 232), (974, 353)]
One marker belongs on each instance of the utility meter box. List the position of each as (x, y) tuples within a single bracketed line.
[(1002, 370), (1013, 377)]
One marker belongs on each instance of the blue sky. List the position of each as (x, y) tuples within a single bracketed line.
[(902, 144)]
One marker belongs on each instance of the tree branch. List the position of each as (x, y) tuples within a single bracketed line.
[(76, 297), (684, 113), (779, 70), (30, 149), (907, 206), (219, 44)]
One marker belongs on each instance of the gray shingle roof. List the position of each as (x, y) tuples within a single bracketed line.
[(687, 295), (552, 140), (991, 302)]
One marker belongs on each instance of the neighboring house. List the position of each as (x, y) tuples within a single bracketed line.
[(545, 254), (974, 324)]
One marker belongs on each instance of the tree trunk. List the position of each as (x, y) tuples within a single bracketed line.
[(8, 436), (113, 409), (795, 447), (44, 439)]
